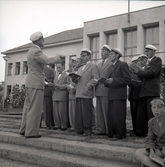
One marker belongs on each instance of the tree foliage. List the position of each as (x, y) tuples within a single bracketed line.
[(17, 97), (162, 83)]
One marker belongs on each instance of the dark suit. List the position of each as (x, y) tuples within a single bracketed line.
[(102, 98), (133, 97), (84, 96), (150, 88), (117, 99), (60, 100), (48, 92)]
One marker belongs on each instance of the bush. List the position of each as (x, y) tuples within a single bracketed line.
[(162, 83), (17, 97)]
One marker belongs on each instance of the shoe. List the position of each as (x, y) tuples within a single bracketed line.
[(38, 136), (132, 134), (118, 137), (71, 129), (87, 134), (113, 139), (55, 128), (98, 133), (63, 129), (23, 134), (48, 127)]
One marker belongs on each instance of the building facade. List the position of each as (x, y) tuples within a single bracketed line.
[(130, 32)]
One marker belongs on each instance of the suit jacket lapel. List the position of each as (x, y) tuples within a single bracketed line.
[(155, 127), (85, 69), (104, 65), (56, 78), (113, 67), (162, 129), (62, 75)]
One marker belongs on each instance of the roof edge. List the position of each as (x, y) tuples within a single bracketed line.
[(46, 46)]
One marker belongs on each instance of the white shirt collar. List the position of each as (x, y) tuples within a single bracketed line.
[(115, 62), (151, 58), (105, 60), (37, 46)]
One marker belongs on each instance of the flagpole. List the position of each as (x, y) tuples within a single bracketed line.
[(128, 10)]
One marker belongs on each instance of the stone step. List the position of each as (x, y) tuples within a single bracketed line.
[(50, 158), (10, 116), (11, 163), (98, 151)]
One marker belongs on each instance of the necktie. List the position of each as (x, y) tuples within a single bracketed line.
[(59, 75), (103, 62)]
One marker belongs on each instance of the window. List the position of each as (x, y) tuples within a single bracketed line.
[(8, 90), (94, 46), (130, 45), (10, 68), (17, 68), (71, 56), (111, 40), (25, 67), (152, 36)]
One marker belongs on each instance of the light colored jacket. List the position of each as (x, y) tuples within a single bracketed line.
[(36, 62), (61, 93), (101, 90), (85, 86)]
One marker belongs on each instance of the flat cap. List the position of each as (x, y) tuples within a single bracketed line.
[(35, 36), (134, 58), (107, 47), (148, 46), (142, 55), (117, 50), (86, 50)]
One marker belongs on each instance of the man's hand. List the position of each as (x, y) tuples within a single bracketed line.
[(109, 81), (163, 150), (50, 84), (164, 160), (151, 153), (135, 71)]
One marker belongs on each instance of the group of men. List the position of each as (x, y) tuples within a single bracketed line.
[(72, 97)]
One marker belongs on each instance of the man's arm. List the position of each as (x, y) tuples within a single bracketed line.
[(124, 80), (95, 77), (153, 70), (42, 58)]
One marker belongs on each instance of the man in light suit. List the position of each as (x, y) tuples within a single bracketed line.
[(119, 78), (150, 88), (84, 94), (35, 86), (102, 92), (60, 98)]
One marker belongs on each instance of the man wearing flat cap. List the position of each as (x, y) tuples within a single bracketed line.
[(118, 79), (35, 86), (150, 89), (102, 92), (85, 93)]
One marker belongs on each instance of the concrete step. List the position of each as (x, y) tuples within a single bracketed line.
[(95, 150), (50, 158), (10, 163), (10, 116)]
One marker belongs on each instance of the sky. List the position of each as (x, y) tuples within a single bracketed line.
[(19, 19)]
